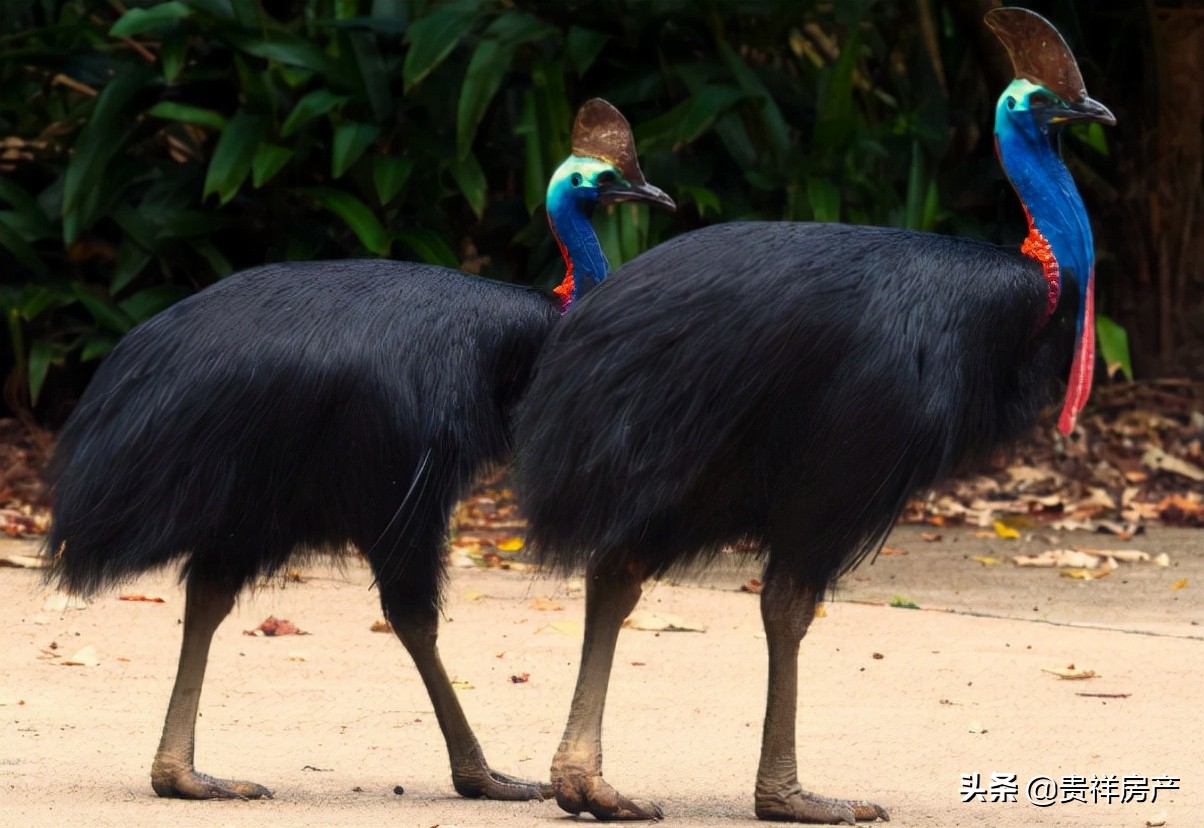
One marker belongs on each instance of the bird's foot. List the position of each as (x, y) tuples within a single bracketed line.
[(797, 805), (483, 783), (577, 792), (187, 783)]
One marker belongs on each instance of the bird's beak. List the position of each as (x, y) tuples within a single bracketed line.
[(616, 192), (1088, 109)]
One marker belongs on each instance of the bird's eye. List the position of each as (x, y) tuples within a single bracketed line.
[(1011, 102), (575, 179), (1038, 99), (605, 177)]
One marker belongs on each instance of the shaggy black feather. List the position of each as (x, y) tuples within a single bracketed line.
[(788, 383), (301, 406)]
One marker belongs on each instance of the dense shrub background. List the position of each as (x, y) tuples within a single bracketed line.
[(148, 149)]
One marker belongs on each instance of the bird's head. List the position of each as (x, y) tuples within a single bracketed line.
[(1047, 92), (603, 169)]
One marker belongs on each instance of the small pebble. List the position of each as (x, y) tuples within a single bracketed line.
[(399, 790)]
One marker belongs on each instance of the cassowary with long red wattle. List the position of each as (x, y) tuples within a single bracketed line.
[(793, 384), (311, 406)]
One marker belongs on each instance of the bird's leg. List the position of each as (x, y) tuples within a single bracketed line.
[(786, 611), (471, 775), (206, 604), (610, 596)]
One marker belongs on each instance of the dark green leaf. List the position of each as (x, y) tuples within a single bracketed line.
[(102, 138), (703, 198), (432, 38), (139, 21), (131, 259), (97, 345), (232, 157), (268, 160), (146, 303), (488, 65), (12, 241), (356, 214), (582, 47), (428, 246), (103, 309), (41, 354), (288, 49), (173, 53), (471, 180), (188, 114), (825, 199), (350, 141), (389, 175), (218, 263), (373, 74), (1114, 347), (316, 103)]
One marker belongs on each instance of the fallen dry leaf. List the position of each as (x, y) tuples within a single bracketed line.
[(1158, 460), (1087, 574), (381, 625), (83, 657), (892, 550), (657, 622), (821, 611), (986, 560), (61, 602), (521, 678), (1004, 531), (571, 628), (753, 586), (1070, 672), (1180, 584), (25, 561), (273, 627), (931, 537), (545, 605), (1059, 557), (148, 599), (510, 545)]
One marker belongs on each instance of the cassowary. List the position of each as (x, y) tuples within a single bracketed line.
[(792, 384), (310, 406)]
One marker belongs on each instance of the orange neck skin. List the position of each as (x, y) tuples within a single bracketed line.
[(564, 290), (1036, 247)]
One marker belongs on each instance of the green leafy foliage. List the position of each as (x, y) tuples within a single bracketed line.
[(152, 148)]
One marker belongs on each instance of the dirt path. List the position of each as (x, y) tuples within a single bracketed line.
[(334, 720)]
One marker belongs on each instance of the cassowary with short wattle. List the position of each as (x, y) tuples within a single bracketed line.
[(310, 406), (792, 384)]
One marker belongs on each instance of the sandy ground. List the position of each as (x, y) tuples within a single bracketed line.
[(897, 704)]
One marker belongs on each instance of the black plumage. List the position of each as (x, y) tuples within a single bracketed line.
[(301, 406), (788, 383)]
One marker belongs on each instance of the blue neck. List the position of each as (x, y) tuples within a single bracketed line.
[(579, 244), (1048, 193)]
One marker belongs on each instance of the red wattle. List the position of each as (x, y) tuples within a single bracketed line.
[(565, 289), (1079, 387)]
